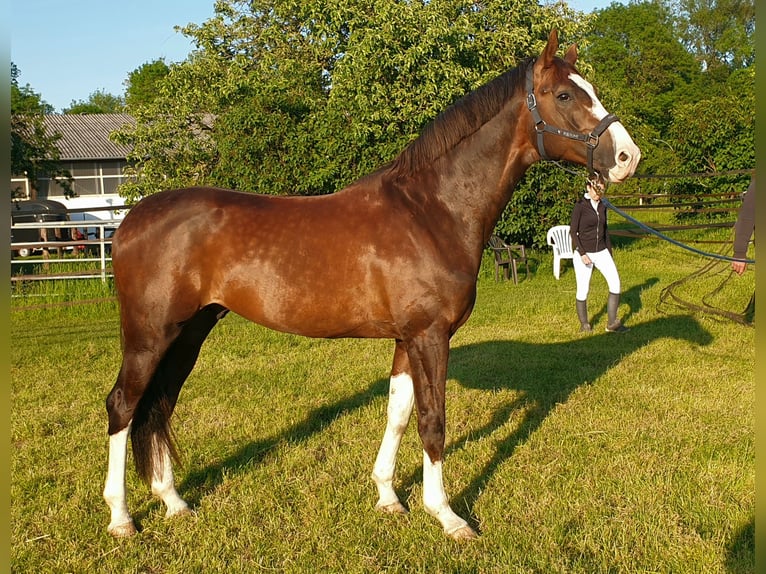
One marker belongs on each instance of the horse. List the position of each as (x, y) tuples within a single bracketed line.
[(394, 255)]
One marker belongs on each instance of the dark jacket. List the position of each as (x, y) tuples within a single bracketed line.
[(745, 225), (588, 227)]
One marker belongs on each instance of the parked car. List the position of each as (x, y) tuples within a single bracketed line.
[(37, 210)]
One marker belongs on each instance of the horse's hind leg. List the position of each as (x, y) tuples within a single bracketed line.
[(148, 419), (174, 368), (400, 403), (135, 373)]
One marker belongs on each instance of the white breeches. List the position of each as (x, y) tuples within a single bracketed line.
[(602, 260)]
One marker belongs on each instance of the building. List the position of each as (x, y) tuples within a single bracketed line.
[(95, 162)]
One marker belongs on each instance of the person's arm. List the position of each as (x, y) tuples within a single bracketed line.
[(574, 227), (743, 228), (745, 225), (607, 237)]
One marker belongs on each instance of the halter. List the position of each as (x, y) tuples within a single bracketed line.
[(591, 140)]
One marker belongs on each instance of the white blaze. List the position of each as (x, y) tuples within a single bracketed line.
[(626, 153)]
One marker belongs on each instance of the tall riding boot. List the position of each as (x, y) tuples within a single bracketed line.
[(749, 312), (582, 314), (613, 324)]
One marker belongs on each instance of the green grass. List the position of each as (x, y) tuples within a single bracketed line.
[(569, 453)]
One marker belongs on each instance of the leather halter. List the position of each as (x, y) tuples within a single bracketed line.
[(591, 140)]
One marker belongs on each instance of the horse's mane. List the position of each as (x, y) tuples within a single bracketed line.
[(460, 120)]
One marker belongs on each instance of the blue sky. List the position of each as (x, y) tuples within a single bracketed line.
[(66, 50)]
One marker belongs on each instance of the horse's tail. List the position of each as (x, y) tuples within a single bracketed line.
[(151, 435)]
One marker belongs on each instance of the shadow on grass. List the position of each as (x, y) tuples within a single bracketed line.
[(491, 365), (740, 555), (520, 366), (202, 481), (631, 298)]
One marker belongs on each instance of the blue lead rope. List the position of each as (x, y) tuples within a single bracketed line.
[(669, 239)]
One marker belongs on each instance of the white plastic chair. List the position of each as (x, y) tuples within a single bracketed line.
[(558, 237)]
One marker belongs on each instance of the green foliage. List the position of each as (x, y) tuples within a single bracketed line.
[(544, 198), (640, 64), (686, 115), (718, 132), (143, 82), (720, 33), (309, 98), (99, 102), (24, 100)]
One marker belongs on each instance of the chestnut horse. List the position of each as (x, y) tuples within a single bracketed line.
[(394, 255)]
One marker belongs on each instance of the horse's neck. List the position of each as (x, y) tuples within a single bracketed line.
[(477, 176)]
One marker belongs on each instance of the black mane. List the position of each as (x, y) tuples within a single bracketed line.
[(460, 120)]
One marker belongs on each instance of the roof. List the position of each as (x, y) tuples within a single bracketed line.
[(86, 136)]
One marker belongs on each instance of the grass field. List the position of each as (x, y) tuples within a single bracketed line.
[(568, 453)]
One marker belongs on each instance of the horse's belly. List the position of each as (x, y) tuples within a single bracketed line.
[(313, 308)]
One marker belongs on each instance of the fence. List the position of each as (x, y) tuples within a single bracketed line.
[(722, 208), (83, 255), (718, 210)]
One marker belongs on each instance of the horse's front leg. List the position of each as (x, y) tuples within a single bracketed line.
[(400, 402), (121, 523), (428, 356)]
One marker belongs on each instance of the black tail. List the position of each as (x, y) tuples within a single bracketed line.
[(151, 420)]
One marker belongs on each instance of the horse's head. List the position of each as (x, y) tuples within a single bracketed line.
[(569, 122)]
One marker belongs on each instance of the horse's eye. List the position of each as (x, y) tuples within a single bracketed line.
[(564, 97)]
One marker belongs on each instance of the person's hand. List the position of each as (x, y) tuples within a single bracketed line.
[(586, 260), (738, 267)]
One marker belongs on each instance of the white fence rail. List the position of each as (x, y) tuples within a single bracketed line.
[(86, 258)]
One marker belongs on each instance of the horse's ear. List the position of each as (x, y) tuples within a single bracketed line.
[(550, 48), (571, 56)]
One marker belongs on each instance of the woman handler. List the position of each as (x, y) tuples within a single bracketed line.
[(593, 248)]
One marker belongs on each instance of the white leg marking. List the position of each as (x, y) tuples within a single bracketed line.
[(401, 399), (436, 503), (121, 523), (163, 484)]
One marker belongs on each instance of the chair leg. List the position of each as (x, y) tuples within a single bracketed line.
[(515, 272), (556, 266)]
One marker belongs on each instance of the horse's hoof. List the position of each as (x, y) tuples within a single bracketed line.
[(393, 508), (124, 530), (463, 533)]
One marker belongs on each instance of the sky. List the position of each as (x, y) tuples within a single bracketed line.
[(67, 50)]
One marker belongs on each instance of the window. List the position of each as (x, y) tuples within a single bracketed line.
[(89, 178)]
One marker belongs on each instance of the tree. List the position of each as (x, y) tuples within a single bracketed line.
[(642, 65), (708, 140), (99, 102), (309, 96), (33, 150), (719, 33), (24, 100), (144, 83), (671, 98)]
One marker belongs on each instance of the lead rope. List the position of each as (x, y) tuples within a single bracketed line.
[(713, 267), (645, 227), (669, 295)]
